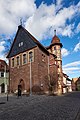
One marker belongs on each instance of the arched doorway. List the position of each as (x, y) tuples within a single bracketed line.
[(2, 88)]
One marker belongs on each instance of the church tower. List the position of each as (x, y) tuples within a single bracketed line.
[(56, 49)]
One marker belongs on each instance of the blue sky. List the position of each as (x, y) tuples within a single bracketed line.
[(41, 18)]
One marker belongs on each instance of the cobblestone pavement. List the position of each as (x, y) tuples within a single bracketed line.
[(41, 107)]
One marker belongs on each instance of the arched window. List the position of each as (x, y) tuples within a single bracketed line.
[(30, 56), (12, 62), (24, 58), (18, 60)]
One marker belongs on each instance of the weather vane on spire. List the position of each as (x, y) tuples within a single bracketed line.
[(55, 32), (21, 23)]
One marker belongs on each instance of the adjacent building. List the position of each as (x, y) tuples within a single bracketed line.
[(4, 76), (55, 48), (31, 64), (76, 84), (67, 83)]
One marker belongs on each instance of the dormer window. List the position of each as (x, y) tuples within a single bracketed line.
[(20, 44)]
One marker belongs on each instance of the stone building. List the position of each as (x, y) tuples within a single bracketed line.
[(30, 63), (4, 76), (67, 85), (76, 84)]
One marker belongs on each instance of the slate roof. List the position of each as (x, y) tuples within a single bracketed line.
[(27, 40)]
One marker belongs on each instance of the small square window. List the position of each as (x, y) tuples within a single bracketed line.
[(21, 43), (54, 47), (2, 74), (43, 57)]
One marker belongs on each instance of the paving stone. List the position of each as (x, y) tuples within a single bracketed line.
[(41, 107)]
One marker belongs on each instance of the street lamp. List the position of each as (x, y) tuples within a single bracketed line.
[(6, 82), (30, 79)]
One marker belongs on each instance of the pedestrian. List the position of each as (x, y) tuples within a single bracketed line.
[(19, 90)]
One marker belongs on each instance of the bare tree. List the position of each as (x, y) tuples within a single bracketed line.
[(51, 82)]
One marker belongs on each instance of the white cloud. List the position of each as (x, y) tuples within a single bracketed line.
[(72, 68), (2, 48), (58, 2), (78, 28), (11, 11), (68, 30), (73, 64), (44, 20), (77, 47), (40, 21), (64, 52)]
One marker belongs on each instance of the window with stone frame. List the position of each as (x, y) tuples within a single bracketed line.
[(24, 58), (31, 57), (18, 60), (12, 62)]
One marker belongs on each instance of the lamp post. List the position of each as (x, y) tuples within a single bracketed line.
[(6, 83), (30, 79)]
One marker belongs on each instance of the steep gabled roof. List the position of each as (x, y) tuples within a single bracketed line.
[(24, 41)]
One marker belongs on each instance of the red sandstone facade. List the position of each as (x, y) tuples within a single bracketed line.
[(39, 69), (28, 72)]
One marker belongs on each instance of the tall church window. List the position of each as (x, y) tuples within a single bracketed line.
[(12, 62), (54, 47), (31, 56), (24, 58), (18, 60)]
